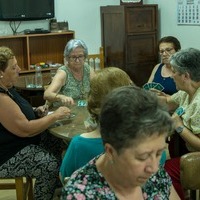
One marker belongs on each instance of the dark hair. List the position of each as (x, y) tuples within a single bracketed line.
[(170, 39), (187, 60), (5, 55), (130, 113)]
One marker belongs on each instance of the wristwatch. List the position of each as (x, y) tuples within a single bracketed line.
[(179, 129)]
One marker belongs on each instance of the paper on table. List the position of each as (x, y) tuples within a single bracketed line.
[(50, 112)]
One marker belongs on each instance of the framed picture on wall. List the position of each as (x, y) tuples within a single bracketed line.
[(130, 2)]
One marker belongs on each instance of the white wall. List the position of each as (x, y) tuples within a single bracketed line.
[(83, 17), (188, 35)]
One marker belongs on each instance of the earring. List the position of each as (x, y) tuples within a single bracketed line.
[(1, 76)]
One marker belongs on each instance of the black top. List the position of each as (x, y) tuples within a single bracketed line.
[(10, 144)]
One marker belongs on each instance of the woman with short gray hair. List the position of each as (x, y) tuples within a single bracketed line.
[(186, 74), (72, 80)]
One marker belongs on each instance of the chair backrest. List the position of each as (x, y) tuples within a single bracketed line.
[(96, 60), (23, 186), (190, 169)]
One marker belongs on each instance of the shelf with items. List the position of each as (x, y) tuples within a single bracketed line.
[(36, 48)]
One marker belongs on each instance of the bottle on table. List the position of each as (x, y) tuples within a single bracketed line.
[(38, 77)]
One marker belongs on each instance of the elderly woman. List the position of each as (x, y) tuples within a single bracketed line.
[(186, 74), (161, 73), (133, 127), (23, 149), (72, 81)]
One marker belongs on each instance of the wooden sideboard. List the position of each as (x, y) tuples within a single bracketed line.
[(129, 39), (31, 49)]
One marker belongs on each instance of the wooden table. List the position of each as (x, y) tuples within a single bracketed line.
[(68, 128)]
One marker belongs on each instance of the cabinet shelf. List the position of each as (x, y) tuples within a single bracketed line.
[(36, 48)]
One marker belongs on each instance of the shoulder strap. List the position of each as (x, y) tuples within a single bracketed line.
[(6, 92), (2, 90)]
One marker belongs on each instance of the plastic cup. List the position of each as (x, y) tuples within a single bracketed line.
[(29, 80)]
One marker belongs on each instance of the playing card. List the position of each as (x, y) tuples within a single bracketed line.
[(82, 103), (146, 86), (179, 111), (159, 87), (153, 85)]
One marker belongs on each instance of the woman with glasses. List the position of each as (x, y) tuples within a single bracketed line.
[(72, 81), (161, 73), (26, 149)]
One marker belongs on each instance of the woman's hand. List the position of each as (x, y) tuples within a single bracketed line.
[(177, 120), (62, 112), (65, 100), (159, 93), (42, 111)]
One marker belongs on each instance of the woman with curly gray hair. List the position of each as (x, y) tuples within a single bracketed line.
[(186, 74)]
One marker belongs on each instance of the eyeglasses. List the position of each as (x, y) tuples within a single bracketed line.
[(168, 50), (74, 58)]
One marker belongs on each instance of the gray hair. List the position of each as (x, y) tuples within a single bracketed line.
[(130, 113), (187, 60), (73, 44)]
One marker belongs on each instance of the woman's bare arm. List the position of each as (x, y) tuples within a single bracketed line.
[(12, 118), (153, 73), (55, 86)]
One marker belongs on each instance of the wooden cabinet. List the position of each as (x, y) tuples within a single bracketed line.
[(129, 39), (36, 48)]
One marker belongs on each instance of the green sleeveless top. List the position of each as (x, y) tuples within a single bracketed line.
[(75, 88)]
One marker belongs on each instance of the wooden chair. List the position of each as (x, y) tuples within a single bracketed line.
[(96, 60), (189, 174), (23, 186)]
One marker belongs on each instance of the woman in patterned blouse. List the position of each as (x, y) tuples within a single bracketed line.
[(133, 127)]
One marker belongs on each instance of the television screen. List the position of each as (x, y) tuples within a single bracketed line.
[(18, 10)]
